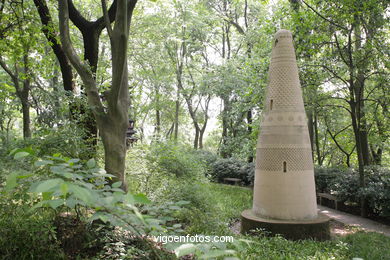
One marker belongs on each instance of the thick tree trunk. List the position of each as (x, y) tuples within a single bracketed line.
[(362, 179), (376, 155), (91, 32), (225, 126), (113, 120), (364, 135), (158, 114), (26, 118), (176, 122), (21, 92), (250, 121), (201, 134), (113, 137), (317, 140), (310, 124), (158, 122), (196, 137)]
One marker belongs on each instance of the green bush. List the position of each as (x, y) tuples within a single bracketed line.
[(66, 139), (232, 168), (326, 177), (345, 185), (207, 158), (378, 190), (174, 159), (26, 236)]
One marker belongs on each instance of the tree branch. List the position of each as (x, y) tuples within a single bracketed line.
[(48, 31), (82, 69), (323, 17), (6, 69), (107, 19)]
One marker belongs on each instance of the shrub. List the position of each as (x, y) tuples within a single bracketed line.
[(174, 159), (207, 158), (232, 168), (325, 178), (248, 173), (79, 195), (378, 189), (26, 236), (345, 185), (66, 139)]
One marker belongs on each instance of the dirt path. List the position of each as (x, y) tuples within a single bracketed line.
[(355, 221)]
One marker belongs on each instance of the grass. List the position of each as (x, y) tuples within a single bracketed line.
[(227, 202)]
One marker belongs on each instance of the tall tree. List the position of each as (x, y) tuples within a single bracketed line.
[(49, 30), (19, 30), (350, 30), (112, 120)]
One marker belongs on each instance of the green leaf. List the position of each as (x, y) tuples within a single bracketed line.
[(141, 199), (43, 163), (185, 249), (25, 176), (91, 163), (11, 181), (64, 188), (13, 151), (71, 203), (55, 203), (139, 215), (20, 155), (40, 204), (58, 169), (182, 202), (81, 193), (73, 161), (116, 184), (47, 185), (99, 215), (47, 195), (129, 199)]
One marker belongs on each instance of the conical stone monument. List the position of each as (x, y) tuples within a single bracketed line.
[(284, 199)]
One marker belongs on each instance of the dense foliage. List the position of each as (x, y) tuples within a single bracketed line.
[(345, 185), (192, 75)]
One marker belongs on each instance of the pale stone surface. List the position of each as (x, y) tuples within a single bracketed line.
[(284, 186)]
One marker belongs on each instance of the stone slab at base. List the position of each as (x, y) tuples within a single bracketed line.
[(317, 229)]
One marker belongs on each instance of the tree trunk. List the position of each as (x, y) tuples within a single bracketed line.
[(201, 134), (26, 117), (113, 120), (158, 114), (310, 124), (225, 126), (317, 140), (363, 133), (158, 122), (196, 138), (176, 122), (114, 142), (376, 155), (362, 180), (250, 121), (49, 31)]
